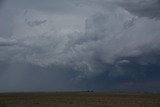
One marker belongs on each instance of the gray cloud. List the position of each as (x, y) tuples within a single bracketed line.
[(22, 77), (143, 8), (1, 1), (103, 36), (98, 40), (35, 23), (7, 42), (107, 37)]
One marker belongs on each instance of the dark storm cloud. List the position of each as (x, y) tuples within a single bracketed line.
[(133, 76), (23, 77), (1, 1), (143, 8), (90, 44)]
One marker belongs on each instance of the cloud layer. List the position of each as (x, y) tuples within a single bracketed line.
[(143, 8), (102, 42), (103, 37)]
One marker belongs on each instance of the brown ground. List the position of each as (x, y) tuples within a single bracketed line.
[(79, 100)]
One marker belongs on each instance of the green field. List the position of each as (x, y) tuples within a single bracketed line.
[(81, 99)]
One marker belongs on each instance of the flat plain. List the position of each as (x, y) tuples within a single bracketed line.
[(79, 99)]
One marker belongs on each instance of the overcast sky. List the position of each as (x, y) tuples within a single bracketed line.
[(77, 45)]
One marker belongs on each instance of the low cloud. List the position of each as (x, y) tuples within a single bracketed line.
[(7, 42), (106, 39), (104, 42), (143, 8)]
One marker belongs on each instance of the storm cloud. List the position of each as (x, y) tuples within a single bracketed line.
[(7, 42), (99, 45), (143, 8)]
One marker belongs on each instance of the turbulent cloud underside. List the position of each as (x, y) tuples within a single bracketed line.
[(99, 40)]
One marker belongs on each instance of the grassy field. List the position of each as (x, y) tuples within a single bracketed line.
[(81, 99)]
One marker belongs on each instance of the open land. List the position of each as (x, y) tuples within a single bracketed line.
[(79, 99)]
